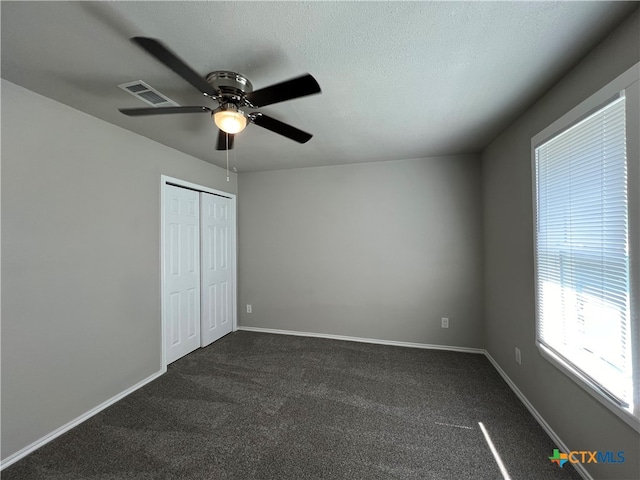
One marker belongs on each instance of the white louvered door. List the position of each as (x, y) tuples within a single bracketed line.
[(182, 272)]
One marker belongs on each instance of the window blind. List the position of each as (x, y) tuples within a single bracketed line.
[(582, 256)]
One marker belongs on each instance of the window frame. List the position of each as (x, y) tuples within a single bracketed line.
[(629, 81)]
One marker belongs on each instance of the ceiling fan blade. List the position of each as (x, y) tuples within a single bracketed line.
[(136, 112), (222, 140), (294, 88), (171, 60), (281, 128)]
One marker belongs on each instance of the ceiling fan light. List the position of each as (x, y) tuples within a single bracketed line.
[(230, 121)]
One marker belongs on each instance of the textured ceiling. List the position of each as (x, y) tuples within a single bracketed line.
[(399, 79)]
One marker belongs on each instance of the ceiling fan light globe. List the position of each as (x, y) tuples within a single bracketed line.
[(230, 121)]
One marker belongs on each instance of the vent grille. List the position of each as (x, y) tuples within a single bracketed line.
[(147, 94), (136, 88), (152, 97)]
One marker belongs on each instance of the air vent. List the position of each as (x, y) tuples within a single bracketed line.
[(147, 94)]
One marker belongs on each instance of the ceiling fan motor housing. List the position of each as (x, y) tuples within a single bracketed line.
[(231, 85)]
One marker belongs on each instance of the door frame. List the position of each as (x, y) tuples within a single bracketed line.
[(164, 180)]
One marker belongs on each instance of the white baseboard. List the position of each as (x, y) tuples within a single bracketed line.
[(75, 422), (545, 426), (363, 340)]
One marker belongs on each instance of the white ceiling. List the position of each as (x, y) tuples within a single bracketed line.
[(399, 79)]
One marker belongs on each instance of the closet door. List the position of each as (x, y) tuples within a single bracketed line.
[(217, 268), (182, 272)]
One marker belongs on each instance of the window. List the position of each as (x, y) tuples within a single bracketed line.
[(586, 244)]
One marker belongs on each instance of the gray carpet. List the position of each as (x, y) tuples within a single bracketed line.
[(262, 406)]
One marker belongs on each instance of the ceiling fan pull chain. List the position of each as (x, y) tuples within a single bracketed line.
[(227, 139)]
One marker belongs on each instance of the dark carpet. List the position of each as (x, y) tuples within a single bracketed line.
[(264, 406)]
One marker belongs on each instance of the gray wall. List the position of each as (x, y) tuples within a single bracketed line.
[(379, 250), (582, 422), (80, 260)]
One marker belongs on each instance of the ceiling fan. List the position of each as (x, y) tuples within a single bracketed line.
[(233, 92)]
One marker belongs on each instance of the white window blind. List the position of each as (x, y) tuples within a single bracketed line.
[(582, 250)]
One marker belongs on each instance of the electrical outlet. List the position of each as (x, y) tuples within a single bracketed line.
[(518, 356), (249, 308), (445, 322)]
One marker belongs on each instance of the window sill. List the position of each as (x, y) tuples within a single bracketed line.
[(590, 388)]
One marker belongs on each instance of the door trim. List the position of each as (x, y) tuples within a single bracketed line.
[(164, 180)]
